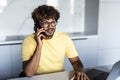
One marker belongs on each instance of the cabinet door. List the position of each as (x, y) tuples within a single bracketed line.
[(5, 62), (16, 60), (67, 64), (88, 51)]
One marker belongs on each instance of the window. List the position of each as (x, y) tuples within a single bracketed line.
[(3, 4), (72, 15), (76, 16)]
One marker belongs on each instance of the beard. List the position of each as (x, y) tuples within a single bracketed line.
[(49, 33)]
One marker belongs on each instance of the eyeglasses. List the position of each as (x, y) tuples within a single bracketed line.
[(46, 24)]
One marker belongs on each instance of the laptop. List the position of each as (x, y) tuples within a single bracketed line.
[(96, 74), (115, 72), (118, 78)]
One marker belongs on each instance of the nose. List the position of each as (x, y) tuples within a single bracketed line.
[(50, 25)]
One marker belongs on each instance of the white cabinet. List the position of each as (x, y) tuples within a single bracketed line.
[(67, 65), (16, 60), (87, 49), (5, 62), (10, 61)]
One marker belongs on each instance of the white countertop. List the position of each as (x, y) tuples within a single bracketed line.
[(52, 76), (10, 42), (19, 41), (65, 75)]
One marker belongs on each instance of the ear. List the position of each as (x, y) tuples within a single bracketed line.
[(36, 26)]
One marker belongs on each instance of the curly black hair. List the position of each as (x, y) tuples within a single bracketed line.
[(44, 12)]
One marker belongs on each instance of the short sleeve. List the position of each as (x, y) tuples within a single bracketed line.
[(70, 48), (27, 48)]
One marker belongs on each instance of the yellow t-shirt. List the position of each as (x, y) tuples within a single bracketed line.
[(53, 52)]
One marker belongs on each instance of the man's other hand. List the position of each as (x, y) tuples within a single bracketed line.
[(79, 76)]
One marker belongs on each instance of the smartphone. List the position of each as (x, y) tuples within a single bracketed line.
[(44, 33)]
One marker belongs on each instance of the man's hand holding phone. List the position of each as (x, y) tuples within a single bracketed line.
[(39, 36)]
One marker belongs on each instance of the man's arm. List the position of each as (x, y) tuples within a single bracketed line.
[(32, 64), (76, 63), (78, 67)]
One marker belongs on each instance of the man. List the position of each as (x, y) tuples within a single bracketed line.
[(44, 50)]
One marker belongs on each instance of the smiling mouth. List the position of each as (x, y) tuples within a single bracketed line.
[(49, 32)]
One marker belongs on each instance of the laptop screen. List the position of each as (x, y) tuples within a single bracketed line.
[(115, 72)]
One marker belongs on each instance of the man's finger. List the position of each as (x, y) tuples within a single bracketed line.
[(88, 78), (73, 78), (40, 30), (78, 77)]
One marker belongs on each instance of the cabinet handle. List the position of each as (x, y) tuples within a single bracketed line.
[(79, 39)]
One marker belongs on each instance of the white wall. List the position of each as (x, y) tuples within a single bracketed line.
[(109, 32)]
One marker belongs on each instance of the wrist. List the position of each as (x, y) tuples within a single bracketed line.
[(78, 66), (39, 46), (79, 69)]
